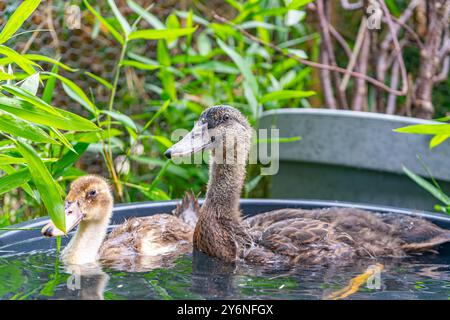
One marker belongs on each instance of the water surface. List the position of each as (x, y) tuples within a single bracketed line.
[(38, 275)]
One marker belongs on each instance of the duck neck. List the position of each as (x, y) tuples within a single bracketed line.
[(224, 189), (84, 246)]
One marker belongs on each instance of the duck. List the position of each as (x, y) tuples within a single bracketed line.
[(137, 244), (287, 236)]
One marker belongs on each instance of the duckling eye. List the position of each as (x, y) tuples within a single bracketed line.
[(92, 193)]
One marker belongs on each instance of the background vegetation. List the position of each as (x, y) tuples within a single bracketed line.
[(104, 97)]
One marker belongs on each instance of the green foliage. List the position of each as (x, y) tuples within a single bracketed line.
[(195, 63)]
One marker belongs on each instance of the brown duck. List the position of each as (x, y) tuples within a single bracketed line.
[(289, 235), (137, 244)]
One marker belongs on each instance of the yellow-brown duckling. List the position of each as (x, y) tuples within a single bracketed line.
[(137, 244)]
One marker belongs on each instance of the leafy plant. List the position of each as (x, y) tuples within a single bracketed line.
[(440, 132)]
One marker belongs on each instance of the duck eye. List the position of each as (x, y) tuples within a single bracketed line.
[(92, 193), (226, 117)]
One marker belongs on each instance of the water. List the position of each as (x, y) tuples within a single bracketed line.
[(38, 275)]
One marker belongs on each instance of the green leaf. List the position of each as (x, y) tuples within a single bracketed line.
[(435, 192), (165, 75), (285, 94), (31, 84), (122, 118), (21, 61), (139, 65), (150, 18), (152, 34), (157, 114), (10, 170), (99, 79), (295, 4), (17, 18), (26, 111), (110, 28), (25, 95), (434, 129), (243, 66), (123, 22), (162, 140), (75, 92), (47, 95), (252, 184), (438, 139), (45, 184), (38, 57), (69, 159), (21, 128), (62, 138), (6, 76), (14, 180)]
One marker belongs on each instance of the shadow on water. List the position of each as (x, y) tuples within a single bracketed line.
[(212, 278)]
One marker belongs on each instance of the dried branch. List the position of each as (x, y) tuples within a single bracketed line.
[(359, 102), (325, 80), (355, 53), (443, 75), (310, 63), (325, 30), (397, 48), (340, 39), (391, 101)]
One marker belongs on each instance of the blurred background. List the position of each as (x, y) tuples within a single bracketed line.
[(249, 54)]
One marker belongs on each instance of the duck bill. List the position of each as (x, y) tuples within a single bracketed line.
[(196, 140), (73, 217)]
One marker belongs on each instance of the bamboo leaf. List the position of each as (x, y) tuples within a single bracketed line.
[(31, 84), (21, 128), (434, 129), (152, 34), (295, 4), (26, 111), (75, 92), (24, 63), (157, 114), (150, 18), (285, 94), (123, 22), (17, 18), (139, 65), (27, 96), (45, 184), (14, 180), (6, 76), (69, 159), (242, 65), (122, 118), (438, 139), (38, 57), (435, 192), (99, 79), (103, 21)]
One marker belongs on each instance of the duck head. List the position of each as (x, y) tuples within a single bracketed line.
[(218, 126), (89, 200)]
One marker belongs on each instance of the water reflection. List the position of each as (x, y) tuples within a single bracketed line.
[(39, 276)]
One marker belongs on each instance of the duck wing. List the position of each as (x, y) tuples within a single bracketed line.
[(342, 233), (188, 209), (153, 236)]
